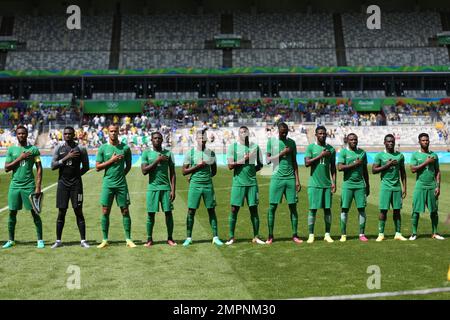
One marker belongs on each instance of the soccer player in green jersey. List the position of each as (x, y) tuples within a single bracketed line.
[(282, 153), (158, 163), (244, 158), (425, 164), (200, 163), (321, 157), (20, 160), (353, 162), (391, 165), (115, 159)]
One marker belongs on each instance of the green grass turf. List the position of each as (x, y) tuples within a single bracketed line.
[(203, 271)]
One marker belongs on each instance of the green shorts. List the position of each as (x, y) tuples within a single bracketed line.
[(348, 195), (279, 187), (197, 191), (389, 198), (156, 197), (239, 194), (422, 198), (19, 197), (120, 193), (319, 198)]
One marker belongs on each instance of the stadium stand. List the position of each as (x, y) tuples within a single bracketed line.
[(395, 31), (125, 96), (284, 57), (289, 39), (272, 30), (62, 60), (62, 96), (170, 59), (8, 137), (425, 94), (103, 96), (397, 43), (50, 45), (173, 31), (397, 56), (169, 40)]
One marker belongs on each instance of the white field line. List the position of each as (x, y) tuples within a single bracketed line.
[(379, 294), (43, 190)]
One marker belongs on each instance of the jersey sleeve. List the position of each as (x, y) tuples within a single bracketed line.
[(36, 155), (269, 146), (402, 160), (171, 159), (436, 163), (84, 160), (294, 146), (333, 153), (55, 157), (144, 157), (414, 160), (341, 158), (364, 159), (100, 155), (308, 152), (128, 156), (9, 156), (213, 158), (377, 160)]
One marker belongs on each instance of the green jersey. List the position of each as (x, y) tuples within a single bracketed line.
[(244, 175), (23, 174), (425, 178), (320, 171), (390, 179), (159, 177), (115, 174), (353, 178), (194, 157), (283, 168)]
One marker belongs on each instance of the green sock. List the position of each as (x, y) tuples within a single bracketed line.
[(254, 217), (327, 218), (232, 218), (381, 225), (150, 224), (343, 222), (434, 222), (126, 220), (397, 223), (311, 220), (213, 222), (190, 224), (271, 218), (169, 224), (12, 225), (415, 222), (38, 224), (362, 221), (294, 219), (105, 226)]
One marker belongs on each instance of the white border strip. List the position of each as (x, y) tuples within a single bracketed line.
[(379, 295)]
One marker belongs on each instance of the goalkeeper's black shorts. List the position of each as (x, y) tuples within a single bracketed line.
[(74, 192)]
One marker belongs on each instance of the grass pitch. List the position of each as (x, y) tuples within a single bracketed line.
[(243, 271)]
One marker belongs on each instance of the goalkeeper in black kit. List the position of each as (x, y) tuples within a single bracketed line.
[(68, 158)]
